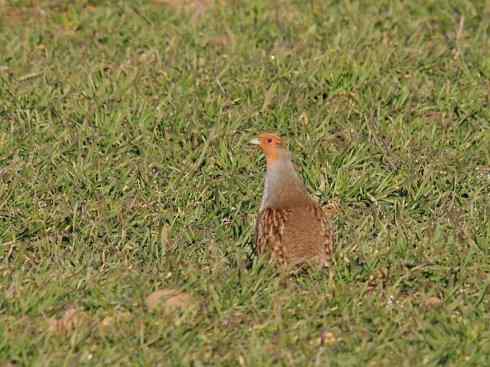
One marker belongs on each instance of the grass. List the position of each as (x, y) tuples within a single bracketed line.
[(124, 169)]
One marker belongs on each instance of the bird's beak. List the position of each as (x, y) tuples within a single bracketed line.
[(255, 141)]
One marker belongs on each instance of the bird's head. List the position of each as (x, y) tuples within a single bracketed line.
[(273, 147)]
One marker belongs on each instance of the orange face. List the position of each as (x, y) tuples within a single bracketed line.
[(270, 145)]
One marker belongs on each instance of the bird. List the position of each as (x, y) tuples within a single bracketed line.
[(291, 228)]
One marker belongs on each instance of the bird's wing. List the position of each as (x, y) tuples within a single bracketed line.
[(295, 235), (269, 232), (327, 231)]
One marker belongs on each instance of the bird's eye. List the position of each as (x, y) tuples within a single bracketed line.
[(269, 141)]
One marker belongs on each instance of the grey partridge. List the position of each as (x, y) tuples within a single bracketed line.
[(291, 227)]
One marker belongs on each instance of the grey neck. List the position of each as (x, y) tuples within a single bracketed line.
[(283, 188)]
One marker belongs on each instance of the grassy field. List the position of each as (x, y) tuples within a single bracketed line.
[(125, 169)]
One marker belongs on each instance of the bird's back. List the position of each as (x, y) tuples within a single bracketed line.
[(296, 235)]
